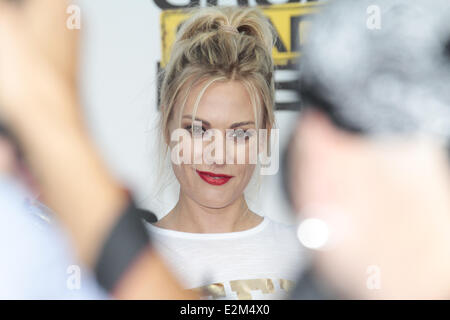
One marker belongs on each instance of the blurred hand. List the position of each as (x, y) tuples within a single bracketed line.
[(37, 59), (38, 101)]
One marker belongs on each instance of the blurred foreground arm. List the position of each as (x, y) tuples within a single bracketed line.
[(38, 97)]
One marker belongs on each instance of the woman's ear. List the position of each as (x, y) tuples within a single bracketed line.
[(167, 138), (167, 134), (268, 127), (264, 142), (167, 128)]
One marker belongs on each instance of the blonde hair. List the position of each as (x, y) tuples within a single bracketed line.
[(220, 44)]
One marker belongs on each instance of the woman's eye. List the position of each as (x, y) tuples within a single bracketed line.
[(240, 133), (195, 130)]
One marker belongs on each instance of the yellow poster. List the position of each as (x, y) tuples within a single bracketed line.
[(290, 22)]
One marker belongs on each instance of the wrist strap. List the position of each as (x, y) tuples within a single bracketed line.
[(309, 287), (127, 239)]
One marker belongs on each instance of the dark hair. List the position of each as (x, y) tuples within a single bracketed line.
[(392, 80), (344, 61)]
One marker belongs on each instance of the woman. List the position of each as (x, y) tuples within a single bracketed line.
[(220, 80)]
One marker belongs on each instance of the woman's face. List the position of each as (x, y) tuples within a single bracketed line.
[(224, 105)]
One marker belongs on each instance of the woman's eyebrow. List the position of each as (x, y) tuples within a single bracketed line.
[(234, 125), (189, 116), (240, 124)]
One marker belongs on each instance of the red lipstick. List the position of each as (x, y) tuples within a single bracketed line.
[(214, 178)]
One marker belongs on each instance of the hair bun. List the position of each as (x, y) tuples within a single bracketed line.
[(247, 21), (228, 28)]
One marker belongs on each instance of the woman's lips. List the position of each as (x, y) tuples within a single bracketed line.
[(214, 178)]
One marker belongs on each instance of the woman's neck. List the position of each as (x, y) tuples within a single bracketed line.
[(189, 216)]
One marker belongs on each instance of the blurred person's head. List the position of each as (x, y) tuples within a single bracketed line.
[(219, 77), (372, 138)]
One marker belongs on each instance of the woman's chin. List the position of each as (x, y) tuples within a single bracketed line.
[(215, 201), (215, 204)]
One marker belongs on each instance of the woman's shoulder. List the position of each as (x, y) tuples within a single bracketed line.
[(284, 233), (279, 226)]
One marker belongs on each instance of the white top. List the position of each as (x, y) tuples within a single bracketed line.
[(259, 263)]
